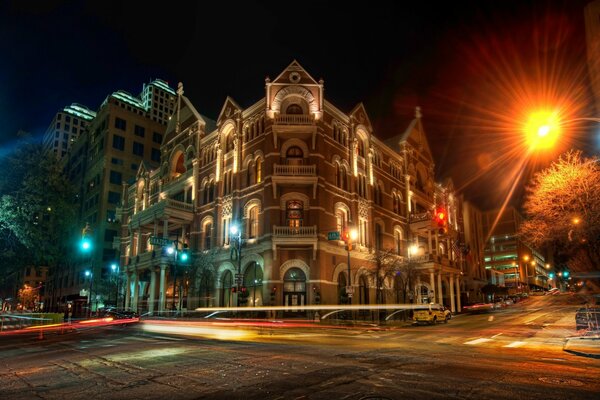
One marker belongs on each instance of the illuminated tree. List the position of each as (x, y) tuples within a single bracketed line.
[(563, 210)]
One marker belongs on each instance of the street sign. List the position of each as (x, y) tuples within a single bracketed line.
[(159, 241), (335, 235)]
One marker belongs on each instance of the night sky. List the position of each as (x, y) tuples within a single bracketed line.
[(471, 66)]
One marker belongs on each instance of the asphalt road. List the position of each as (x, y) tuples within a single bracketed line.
[(515, 353)]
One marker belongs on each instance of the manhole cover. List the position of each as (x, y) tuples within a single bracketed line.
[(560, 381)]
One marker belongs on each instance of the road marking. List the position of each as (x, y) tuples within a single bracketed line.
[(515, 344), (495, 336), (478, 341)]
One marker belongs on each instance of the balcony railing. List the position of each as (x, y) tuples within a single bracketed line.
[(295, 170), (426, 216), (179, 205), (294, 119), (295, 232)]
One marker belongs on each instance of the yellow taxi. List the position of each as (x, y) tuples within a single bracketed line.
[(431, 314)]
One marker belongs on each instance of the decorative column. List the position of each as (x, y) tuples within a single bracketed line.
[(162, 295), (458, 306), (165, 228), (439, 289), (152, 290), (418, 294), (452, 307), (432, 285), (136, 291), (128, 292)]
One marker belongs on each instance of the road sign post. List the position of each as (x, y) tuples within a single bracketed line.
[(159, 241), (334, 235)]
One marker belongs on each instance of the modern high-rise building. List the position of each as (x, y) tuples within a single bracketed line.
[(475, 275), (524, 269), (126, 133), (66, 126), (261, 202)]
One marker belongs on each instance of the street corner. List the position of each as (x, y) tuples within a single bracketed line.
[(584, 346)]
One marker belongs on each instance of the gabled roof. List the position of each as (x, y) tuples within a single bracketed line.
[(413, 135), (145, 166), (305, 77), (359, 112), (188, 115), (230, 107)]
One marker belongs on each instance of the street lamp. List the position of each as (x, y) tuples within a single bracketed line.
[(236, 236), (89, 274), (350, 236), (542, 129), (115, 269)]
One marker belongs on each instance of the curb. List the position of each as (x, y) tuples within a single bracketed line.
[(583, 346)]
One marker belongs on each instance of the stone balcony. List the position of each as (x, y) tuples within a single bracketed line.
[(166, 208), (295, 237), (294, 175), (421, 221), (298, 126)]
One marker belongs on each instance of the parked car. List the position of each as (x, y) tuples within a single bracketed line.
[(588, 318), (432, 314)]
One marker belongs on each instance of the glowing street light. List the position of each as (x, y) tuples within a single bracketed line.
[(542, 129)]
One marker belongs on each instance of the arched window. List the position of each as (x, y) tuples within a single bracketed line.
[(253, 280), (341, 218), (398, 241), (226, 286), (294, 213), (253, 222), (294, 155), (396, 205), (363, 290), (229, 146), (251, 173), (378, 236), (258, 170), (294, 109), (211, 192), (338, 180), (342, 299), (343, 178), (377, 194), (179, 166), (207, 235), (361, 148)]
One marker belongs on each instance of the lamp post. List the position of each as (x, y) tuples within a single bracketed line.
[(89, 274), (115, 269), (236, 236), (350, 236), (177, 255)]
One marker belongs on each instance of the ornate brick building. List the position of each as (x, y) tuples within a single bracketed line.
[(288, 170)]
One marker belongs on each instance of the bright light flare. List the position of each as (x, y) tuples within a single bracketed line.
[(542, 129)]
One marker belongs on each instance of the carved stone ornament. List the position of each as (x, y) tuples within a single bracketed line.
[(227, 206), (363, 208)]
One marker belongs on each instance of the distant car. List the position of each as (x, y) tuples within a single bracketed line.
[(478, 307), (432, 314), (588, 318), (553, 291), (118, 314)]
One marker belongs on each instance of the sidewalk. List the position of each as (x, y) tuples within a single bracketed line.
[(587, 346)]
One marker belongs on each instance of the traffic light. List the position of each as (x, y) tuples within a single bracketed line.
[(441, 219), (184, 256), (551, 275), (565, 274)]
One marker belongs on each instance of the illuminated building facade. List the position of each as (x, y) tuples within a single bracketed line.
[(289, 170), (127, 132), (65, 128), (523, 268)]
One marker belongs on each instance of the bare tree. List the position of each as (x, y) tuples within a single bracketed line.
[(563, 210), (384, 266), (405, 276)]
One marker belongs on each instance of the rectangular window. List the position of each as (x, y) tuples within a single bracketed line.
[(116, 161), (67, 119), (134, 167), (120, 123), (138, 149), (118, 142), (155, 156), (116, 177), (58, 125), (157, 138), (139, 131), (114, 197), (109, 235), (111, 216)]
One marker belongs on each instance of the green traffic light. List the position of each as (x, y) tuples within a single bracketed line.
[(184, 257), (86, 244)]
